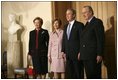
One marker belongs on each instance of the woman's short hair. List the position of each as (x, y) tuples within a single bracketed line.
[(38, 18)]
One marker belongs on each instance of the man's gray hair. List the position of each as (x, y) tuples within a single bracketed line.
[(90, 9)]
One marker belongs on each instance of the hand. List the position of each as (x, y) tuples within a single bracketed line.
[(50, 59), (99, 59), (29, 58), (79, 56), (31, 67), (64, 56)]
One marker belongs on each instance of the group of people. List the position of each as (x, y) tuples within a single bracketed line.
[(71, 50)]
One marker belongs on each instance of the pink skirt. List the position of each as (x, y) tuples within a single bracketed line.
[(57, 65)]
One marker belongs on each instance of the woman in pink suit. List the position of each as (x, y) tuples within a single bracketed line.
[(55, 56)]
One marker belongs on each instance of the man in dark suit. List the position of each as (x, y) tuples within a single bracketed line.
[(92, 44), (71, 46), (38, 47)]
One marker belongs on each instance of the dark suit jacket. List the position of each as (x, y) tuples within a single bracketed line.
[(72, 46), (43, 38), (92, 40)]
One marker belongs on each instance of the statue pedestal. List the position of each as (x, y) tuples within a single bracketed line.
[(13, 57)]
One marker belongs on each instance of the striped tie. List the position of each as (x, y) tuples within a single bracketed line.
[(68, 30)]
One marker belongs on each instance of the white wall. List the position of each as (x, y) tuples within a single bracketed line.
[(26, 12)]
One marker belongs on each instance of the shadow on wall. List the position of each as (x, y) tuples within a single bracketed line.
[(109, 54), (21, 34), (3, 48), (4, 39)]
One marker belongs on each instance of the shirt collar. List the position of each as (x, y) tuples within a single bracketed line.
[(59, 30), (72, 22), (90, 19), (38, 30)]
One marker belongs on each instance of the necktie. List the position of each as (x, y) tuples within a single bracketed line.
[(86, 24), (68, 30), (37, 39)]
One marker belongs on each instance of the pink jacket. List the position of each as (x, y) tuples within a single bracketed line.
[(55, 44)]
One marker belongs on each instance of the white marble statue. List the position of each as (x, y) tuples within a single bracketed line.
[(13, 28), (13, 47)]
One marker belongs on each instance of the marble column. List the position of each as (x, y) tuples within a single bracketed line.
[(13, 57)]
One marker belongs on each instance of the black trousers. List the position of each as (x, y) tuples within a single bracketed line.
[(92, 69), (74, 69)]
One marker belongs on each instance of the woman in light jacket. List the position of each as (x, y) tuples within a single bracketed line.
[(55, 56)]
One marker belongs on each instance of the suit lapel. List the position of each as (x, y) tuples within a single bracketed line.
[(72, 30), (88, 26), (73, 27), (66, 31), (41, 32), (34, 34)]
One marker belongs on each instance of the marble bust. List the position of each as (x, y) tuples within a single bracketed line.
[(13, 28)]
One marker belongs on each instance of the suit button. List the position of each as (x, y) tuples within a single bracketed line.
[(83, 45)]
